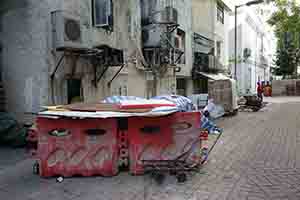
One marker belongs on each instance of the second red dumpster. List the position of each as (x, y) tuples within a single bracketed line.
[(163, 139)]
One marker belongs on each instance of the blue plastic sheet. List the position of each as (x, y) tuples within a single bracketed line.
[(209, 125)]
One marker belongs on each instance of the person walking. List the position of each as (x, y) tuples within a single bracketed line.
[(259, 91)]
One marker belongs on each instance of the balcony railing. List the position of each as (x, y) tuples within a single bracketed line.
[(207, 63)]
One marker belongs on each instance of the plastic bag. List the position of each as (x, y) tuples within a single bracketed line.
[(210, 106), (215, 111)]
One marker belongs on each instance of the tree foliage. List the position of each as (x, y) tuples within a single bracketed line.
[(286, 23)]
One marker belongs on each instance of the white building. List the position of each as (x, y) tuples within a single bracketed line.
[(253, 49)]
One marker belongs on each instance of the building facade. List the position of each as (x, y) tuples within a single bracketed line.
[(253, 44), (210, 42), (63, 51)]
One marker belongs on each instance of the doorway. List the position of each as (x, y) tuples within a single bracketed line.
[(74, 88)]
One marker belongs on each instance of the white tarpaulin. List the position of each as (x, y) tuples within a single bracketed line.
[(215, 77), (156, 112)]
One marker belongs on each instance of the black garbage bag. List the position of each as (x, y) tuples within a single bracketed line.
[(6, 122), (11, 132)]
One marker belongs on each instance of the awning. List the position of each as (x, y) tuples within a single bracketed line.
[(202, 49), (202, 44), (215, 77)]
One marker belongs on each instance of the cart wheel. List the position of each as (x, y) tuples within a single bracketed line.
[(36, 168), (181, 178), (159, 178)]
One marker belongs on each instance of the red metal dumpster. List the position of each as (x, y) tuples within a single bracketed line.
[(69, 147), (170, 138)]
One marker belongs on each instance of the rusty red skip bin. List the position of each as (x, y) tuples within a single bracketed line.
[(165, 138), (87, 147)]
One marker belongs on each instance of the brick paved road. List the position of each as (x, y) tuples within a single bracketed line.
[(258, 157)]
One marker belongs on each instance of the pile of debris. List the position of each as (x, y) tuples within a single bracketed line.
[(11, 132), (250, 103)]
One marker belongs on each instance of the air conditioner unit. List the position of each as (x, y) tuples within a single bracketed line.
[(151, 35), (167, 15), (66, 30)]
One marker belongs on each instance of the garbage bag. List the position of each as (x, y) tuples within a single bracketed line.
[(11, 132), (210, 106), (6, 122), (215, 111)]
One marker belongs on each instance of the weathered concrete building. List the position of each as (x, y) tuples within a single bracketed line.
[(59, 51), (176, 36), (210, 42)]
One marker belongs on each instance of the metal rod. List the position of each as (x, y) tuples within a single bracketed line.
[(95, 76), (101, 75), (116, 74), (179, 57), (57, 66)]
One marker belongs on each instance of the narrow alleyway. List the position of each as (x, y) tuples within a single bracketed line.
[(258, 157)]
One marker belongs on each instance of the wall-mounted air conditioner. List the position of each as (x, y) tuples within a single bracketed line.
[(151, 35), (158, 11), (66, 30)]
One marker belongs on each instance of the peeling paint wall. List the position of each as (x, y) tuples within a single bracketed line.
[(203, 11), (26, 56), (126, 35), (29, 59)]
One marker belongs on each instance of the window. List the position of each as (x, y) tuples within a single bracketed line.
[(102, 13), (201, 61), (219, 49), (220, 13)]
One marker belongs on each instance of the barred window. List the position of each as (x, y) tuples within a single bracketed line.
[(102, 11)]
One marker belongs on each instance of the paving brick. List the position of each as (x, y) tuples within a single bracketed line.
[(258, 157)]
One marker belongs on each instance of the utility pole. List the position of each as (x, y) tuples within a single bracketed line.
[(235, 42)]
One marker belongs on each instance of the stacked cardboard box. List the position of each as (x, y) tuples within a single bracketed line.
[(221, 92)]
